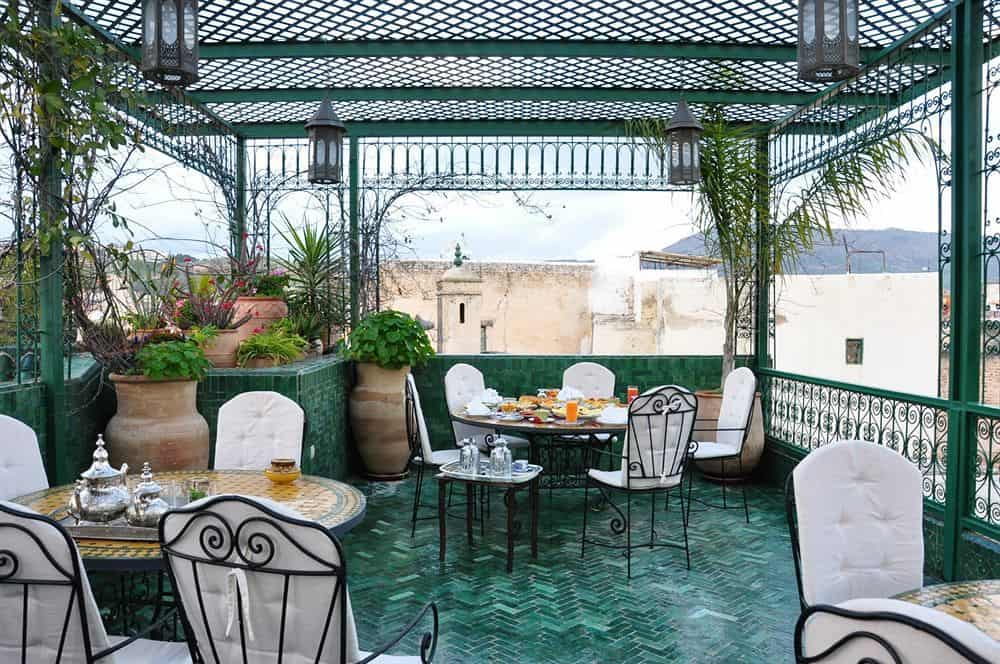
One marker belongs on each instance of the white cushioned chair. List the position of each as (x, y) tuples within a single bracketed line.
[(888, 630), (655, 453), (255, 427), (855, 513), (45, 592), (594, 380), (421, 452), (259, 584), (21, 467), (731, 429), (463, 383)]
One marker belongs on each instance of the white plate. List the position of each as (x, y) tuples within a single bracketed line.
[(601, 420), (513, 417)]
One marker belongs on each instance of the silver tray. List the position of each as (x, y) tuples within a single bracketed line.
[(119, 529)]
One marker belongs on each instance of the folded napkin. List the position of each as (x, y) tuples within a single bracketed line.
[(567, 393), (490, 395), (477, 409), (614, 415)]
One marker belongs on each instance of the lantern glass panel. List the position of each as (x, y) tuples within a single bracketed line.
[(852, 20), (686, 153), (831, 19), (675, 153), (320, 152), (331, 153), (694, 154), (149, 30), (808, 21), (190, 25), (169, 22)]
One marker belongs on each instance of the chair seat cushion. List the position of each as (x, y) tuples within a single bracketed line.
[(441, 457), (146, 651), (709, 450), (392, 659), (615, 478)]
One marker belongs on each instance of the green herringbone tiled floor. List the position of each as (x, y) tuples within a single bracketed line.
[(737, 604)]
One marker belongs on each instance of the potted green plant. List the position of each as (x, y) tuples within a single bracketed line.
[(208, 302), (262, 297), (385, 346), (270, 348), (157, 418), (314, 265)]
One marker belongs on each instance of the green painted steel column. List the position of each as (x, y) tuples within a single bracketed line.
[(50, 293), (763, 277), (354, 193), (238, 228), (966, 269)]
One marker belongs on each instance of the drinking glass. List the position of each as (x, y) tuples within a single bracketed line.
[(633, 392), (175, 493), (572, 410), (198, 488)]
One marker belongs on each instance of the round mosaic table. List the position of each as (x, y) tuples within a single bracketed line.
[(335, 505), (975, 602)]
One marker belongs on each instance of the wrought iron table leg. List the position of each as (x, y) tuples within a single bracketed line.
[(470, 501), (442, 508), (511, 502), (533, 493)]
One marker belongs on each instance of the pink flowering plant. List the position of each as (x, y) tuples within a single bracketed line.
[(202, 300)]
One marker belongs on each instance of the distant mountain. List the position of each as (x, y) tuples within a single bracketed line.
[(905, 251)]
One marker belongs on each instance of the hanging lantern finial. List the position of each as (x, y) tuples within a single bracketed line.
[(326, 145), (828, 40), (684, 136)]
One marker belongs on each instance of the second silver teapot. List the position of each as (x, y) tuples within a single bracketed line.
[(146, 506)]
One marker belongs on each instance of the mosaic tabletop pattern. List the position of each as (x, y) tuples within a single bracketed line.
[(330, 503), (976, 602)]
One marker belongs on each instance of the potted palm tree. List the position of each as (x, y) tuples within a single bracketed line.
[(312, 265), (741, 227), (385, 346)]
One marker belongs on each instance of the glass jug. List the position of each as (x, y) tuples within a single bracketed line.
[(500, 459)]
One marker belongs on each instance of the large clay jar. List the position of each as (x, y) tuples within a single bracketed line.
[(709, 404), (157, 421), (262, 363), (378, 421), (263, 311), (221, 350)]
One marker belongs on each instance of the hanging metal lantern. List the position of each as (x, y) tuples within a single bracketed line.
[(684, 136), (326, 145), (828, 40), (170, 41)]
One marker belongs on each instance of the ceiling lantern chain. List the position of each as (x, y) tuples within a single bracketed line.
[(170, 41), (828, 47)]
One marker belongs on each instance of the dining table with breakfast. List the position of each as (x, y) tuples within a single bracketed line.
[(561, 426)]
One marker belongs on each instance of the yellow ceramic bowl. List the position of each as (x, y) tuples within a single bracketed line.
[(283, 478)]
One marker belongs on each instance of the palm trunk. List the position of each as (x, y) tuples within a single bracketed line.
[(729, 343)]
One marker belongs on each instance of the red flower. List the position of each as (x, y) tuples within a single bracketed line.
[(246, 235), (258, 330), (227, 305), (187, 259)]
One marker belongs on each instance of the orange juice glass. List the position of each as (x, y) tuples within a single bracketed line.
[(633, 392), (572, 411)]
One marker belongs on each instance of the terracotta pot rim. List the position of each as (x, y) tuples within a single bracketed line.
[(122, 378), (261, 297)]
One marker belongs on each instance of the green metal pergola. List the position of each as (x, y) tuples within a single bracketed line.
[(462, 94)]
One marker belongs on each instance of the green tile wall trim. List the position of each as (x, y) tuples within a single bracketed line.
[(320, 386), (518, 374)]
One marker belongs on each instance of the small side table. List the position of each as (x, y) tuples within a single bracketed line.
[(511, 486)]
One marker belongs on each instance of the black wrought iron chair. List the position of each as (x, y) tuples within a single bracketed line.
[(422, 455), (731, 430), (256, 583), (654, 456), (880, 631), (47, 610)]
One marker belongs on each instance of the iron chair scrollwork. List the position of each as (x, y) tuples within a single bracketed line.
[(654, 457), (731, 430), (257, 583), (887, 631), (49, 612)]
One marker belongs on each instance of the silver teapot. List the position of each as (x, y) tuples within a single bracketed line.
[(101, 493), (146, 506)]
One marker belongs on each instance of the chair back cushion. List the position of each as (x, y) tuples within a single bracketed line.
[(859, 509), (415, 423), (915, 633), (593, 379), (462, 384), (21, 468), (38, 552), (255, 427), (280, 577), (737, 406), (658, 437)]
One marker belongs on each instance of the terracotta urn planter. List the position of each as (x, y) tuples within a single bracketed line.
[(377, 410), (709, 404), (144, 334), (262, 363), (221, 350), (157, 421), (263, 311)]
